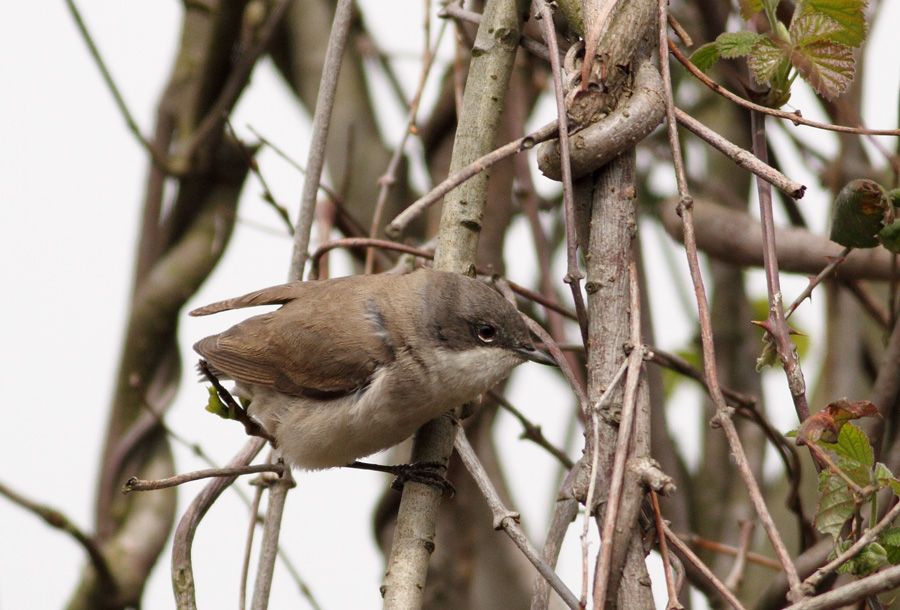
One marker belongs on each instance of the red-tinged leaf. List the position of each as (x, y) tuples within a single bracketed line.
[(848, 14), (826, 424), (835, 505), (764, 60), (827, 66)]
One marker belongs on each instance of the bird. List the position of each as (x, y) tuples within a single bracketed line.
[(350, 366)]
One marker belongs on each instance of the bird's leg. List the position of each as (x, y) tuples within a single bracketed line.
[(427, 473), (251, 426)]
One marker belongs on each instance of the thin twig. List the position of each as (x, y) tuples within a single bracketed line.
[(156, 156), (623, 439), (136, 484), (278, 490), (508, 520), (532, 431), (416, 208), (573, 273), (725, 549), (741, 157), (560, 358), (688, 555), (595, 466), (58, 520), (248, 546), (337, 40), (794, 117), (332, 194), (706, 336), (390, 175), (672, 603), (813, 580), (733, 580), (824, 273), (852, 592)]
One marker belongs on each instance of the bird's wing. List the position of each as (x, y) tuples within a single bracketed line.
[(273, 295), (295, 353)]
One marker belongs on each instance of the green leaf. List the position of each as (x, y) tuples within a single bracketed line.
[(827, 66), (848, 14), (889, 236), (215, 406), (871, 558), (852, 445), (736, 44), (705, 57), (765, 59), (885, 478), (835, 504), (812, 27), (890, 540), (858, 214)]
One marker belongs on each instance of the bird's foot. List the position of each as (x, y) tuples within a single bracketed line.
[(427, 473)]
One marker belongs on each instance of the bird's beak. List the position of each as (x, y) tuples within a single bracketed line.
[(530, 352)]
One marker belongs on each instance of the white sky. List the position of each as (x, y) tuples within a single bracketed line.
[(70, 196)]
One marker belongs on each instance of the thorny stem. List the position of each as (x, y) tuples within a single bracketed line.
[(723, 413), (824, 273), (776, 325)]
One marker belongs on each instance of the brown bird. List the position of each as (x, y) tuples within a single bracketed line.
[(350, 366)]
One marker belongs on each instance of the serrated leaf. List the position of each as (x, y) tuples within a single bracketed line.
[(705, 57), (858, 214), (853, 445), (764, 60), (812, 27), (827, 66), (835, 504), (736, 44), (848, 14), (885, 478)]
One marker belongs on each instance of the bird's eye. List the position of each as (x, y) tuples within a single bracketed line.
[(486, 333)]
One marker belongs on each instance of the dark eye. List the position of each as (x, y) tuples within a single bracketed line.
[(486, 333)]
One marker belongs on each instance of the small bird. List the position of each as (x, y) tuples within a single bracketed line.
[(350, 366)]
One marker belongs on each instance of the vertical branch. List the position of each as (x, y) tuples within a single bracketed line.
[(315, 161), (485, 94), (776, 325), (723, 412)]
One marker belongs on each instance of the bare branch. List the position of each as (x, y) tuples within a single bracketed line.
[(136, 484)]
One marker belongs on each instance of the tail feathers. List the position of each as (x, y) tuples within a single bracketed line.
[(273, 295)]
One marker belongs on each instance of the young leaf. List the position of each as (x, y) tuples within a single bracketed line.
[(859, 212), (736, 44), (848, 14), (826, 425), (812, 27), (215, 406), (870, 559), (885, 478), (889, 236), (706, 56), (827, 66), (853, 445), (765, 60), (835, 504), (750, 7)]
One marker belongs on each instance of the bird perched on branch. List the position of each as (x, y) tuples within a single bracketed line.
[(347, 367)]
